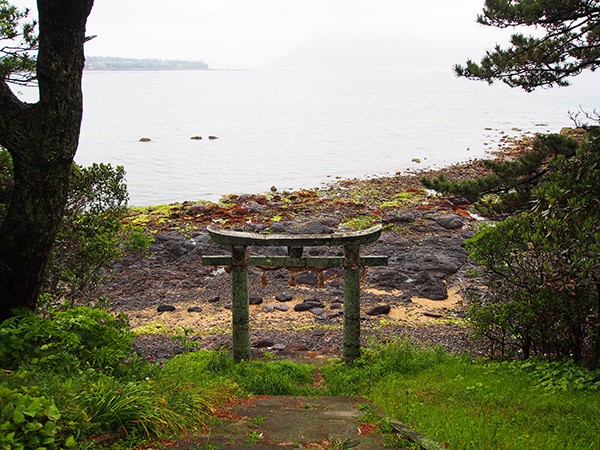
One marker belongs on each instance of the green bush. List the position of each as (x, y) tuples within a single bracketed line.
[(511, 184), (274, 378), (553, 376), (112, 404), (542, 267), (75, 339), (399, 357), (29, 422), (91, 236)]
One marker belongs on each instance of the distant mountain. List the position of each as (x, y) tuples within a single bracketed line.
[(113, 63), (375, 51)]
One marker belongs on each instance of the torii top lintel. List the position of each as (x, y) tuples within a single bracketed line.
[(243, 238)]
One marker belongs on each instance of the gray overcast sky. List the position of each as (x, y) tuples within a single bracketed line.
[(251, 33)]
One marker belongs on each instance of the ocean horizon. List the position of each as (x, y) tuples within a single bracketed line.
[(300, 127)]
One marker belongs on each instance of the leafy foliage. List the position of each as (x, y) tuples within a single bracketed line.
[(91, 235), (563, 375), (29, 421), (570, 44), (17, 55), (380, 361), (80, 338), (543, 267), (511, 184)]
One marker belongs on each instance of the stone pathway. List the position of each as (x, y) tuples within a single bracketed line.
[(286, 422)]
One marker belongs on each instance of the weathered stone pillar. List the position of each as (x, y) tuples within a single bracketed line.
[(351, 338), (240, 305)]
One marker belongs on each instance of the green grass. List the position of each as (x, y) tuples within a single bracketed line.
[(459, 401), (472, 404)]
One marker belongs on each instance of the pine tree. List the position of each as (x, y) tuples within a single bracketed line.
[(510, 186), (570, 44)]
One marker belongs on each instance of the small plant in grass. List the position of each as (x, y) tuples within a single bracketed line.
[(256, 421), (253, 437), (183, 339), (274, 378), (129, 406), (342, 443)]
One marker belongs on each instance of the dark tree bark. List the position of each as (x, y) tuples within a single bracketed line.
[(42, 139)]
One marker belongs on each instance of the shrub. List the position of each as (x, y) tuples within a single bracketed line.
[(78, 338), (29, 422), (399, 357), (91, 236), (511, 184), (543, 269), (133, 406)]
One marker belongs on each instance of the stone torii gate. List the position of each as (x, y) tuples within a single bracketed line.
[(240, 260)]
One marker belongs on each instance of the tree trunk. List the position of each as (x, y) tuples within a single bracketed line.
[(42, 139)]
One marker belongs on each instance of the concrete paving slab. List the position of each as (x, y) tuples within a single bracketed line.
[(281, 422)]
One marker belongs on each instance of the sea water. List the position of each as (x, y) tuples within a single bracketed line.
[(293, 128)]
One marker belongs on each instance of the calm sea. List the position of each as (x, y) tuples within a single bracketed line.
[(294, 128)]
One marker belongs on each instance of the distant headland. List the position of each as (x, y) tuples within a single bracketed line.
[(114, 63)]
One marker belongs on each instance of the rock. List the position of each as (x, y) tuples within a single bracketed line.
[(196, 138), (312, 227), (307, 278), (282, 307), (278, 347), (228, 306), (317, 311), (284, 297), (254, 207), (336, 306), (330, 221), (165, 308), (434, 315), (255, 300), (214, 299), (268, 309), (399, 217), (318, 333), (200, 209), (450, 221), (175, 248), (278, 227), (173, 236), (194, 309), (273, 189), (302, 307), (295, 347), (145, 139), (433, 289), (212, 138), (314, 303), (335, 314), (379, 309), (263, 343), (432, 260)]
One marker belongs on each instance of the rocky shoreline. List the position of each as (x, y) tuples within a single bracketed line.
[(169, 293)]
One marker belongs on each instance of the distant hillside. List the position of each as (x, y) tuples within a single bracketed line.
[(112, 63), (374, 51)]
